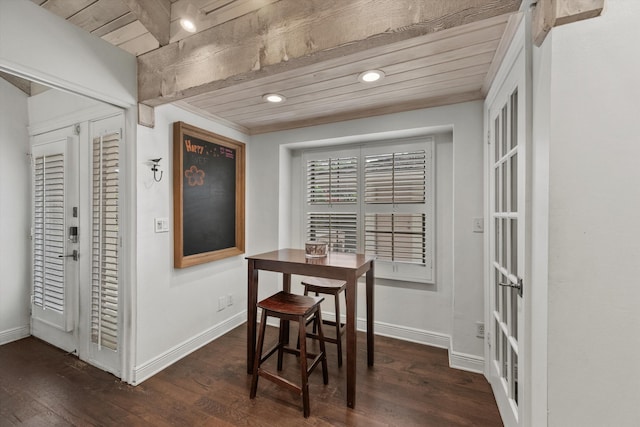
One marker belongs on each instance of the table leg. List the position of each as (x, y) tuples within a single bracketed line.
[(252, 312), (352, 301), (286, 286), (370, 303)]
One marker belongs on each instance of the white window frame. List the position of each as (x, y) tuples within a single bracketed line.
[(394, 270)]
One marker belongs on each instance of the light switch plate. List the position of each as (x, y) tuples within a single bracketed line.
[(161, 225), (478, 225)]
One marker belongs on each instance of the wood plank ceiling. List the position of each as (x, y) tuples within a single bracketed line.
[(432, 52)]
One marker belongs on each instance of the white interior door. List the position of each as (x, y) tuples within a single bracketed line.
[(507, 165), (101, 296), (76, 296), (54, 238)]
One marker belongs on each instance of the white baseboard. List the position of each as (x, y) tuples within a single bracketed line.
[(420, 336), (463, 361), (466, 362), (14, 334), (157, 364)]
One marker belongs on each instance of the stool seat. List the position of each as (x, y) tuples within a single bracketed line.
[(321, 285), (290, 307), (290, 304)]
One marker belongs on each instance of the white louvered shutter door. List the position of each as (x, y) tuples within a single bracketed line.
[(50, 292), (105, 242)]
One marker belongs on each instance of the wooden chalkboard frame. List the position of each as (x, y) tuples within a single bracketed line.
[(181, 132)]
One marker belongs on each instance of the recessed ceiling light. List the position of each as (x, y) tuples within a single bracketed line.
[(370, 76), (188, 25), (274, 97), (189, 18)]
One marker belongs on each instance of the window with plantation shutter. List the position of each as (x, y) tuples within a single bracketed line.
[(332, 181), (332, 200), (339, 229), (105, 242), (396, 237), (398, 209), (49, 233), (376, 199), (395, 177)]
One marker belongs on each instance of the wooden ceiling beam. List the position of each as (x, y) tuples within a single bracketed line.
[(155, 15), (289, 34), (552, 13)]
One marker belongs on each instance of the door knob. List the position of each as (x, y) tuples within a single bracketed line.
[(517, 286)]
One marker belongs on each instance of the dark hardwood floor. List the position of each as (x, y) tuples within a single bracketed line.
[(410, 385)]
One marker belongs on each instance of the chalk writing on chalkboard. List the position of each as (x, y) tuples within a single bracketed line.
[(209, 195)]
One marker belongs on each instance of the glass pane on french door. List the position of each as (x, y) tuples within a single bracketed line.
[(505, 226)]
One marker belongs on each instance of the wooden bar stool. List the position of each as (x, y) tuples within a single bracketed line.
[(301, 309), (328, 287)]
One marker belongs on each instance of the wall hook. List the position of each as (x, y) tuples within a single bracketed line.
[(154, 168)]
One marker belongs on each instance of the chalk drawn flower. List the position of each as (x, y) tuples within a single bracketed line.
[(195, 176)]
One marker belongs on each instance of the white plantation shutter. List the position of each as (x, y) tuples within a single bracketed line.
[(332, 197), (105, 242), (396, 237), (49, 233), (393, 181), (395, 177), (338, 229), (332, 181)]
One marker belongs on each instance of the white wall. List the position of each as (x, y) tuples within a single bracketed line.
[(15, 214), (176, 309), (41, 46), (594, 201), (420, 313)]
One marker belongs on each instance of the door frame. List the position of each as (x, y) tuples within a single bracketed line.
[(519, 44)]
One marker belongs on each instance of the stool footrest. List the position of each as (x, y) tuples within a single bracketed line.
[(279, 380), (296, 351), (326, 338), (269, 352), (317, 359)]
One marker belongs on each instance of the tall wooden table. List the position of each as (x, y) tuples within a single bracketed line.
[(341, 266)]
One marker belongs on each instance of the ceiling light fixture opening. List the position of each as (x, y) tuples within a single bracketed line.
[(189, 18), (274, 98), (188, 25), (371, 76)]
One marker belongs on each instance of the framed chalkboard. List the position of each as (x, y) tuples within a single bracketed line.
[(208, 196)]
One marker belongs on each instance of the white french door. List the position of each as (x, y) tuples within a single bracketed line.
[(101, 296), (507, 239), (55, 269), (76, 291)]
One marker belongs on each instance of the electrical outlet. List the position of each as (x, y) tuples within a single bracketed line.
[(480, 329), (229, 300), (221, 303)]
